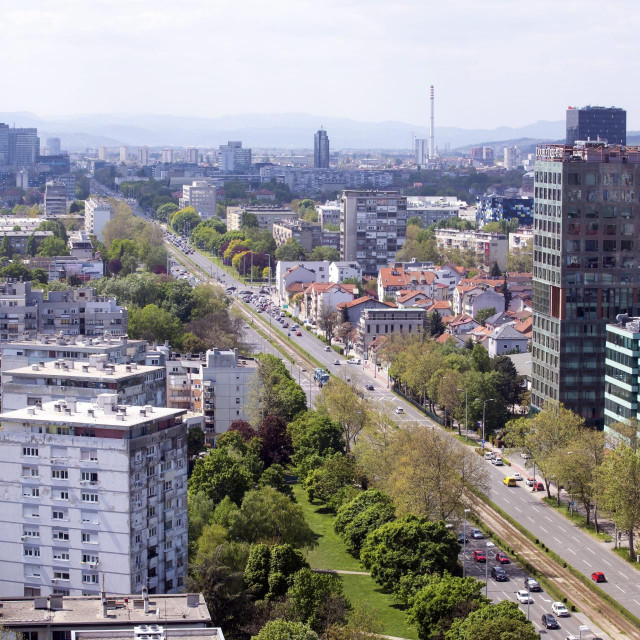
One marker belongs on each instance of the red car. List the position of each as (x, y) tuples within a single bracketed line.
[(598, 576), (298, 333), (502, 558), (479, 556), (537, 486)]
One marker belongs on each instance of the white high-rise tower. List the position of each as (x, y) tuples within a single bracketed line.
[(432, 141)]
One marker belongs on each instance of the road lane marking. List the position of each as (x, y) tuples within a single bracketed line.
[(518, 509), (636, 601), (588, 565), (576, 539), (622, 574), (506, 501), (545, 599), (544, 529), (548, 518), (557, 540), (618, 587), (572, 551), (606, 562), (561, 529)]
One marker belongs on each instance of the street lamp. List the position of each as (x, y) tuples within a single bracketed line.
[(309, 405), (490, 545), (484, 407), (464, 543), (466, 412)]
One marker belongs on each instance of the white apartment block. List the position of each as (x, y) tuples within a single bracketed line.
[(267, 216), (487, 247), (43, 382), (226, 384), (201, 196), (184, 382), (340, 271), (192, 155), (432, 210), (373, 226), (124, 153), (68, 312), (46, 348), (55, 199), (329, 213), (316, 271), (97, 212), (233, 157), (167, 156), (92, 493), (520, 238), (143, 155), (383, 322)]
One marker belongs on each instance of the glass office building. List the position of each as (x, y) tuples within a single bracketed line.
[(591, 123)]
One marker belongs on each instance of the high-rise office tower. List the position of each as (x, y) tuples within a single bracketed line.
[(24, 146), (233, 157), (143, 155), (585, 268), (55, 199), (321, 149), (53, 144), (591, 123), (124, 153), (102, 153), (373, 226)]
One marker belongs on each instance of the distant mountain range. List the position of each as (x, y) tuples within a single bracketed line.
[(284, 131)]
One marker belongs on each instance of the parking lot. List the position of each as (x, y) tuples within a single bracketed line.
[(507, 590)]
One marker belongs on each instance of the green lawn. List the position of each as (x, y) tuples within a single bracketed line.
[(331, 554)]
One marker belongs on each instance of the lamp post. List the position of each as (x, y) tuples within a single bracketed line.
[(309, 405), (464, 543), (466, 412), (484, 408), (486, 569)]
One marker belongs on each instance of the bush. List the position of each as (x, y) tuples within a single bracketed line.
[(338, 349)]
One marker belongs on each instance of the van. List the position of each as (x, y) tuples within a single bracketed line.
[(488, 455), (510, 481)]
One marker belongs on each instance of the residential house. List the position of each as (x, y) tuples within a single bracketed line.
[(352, 311), (318, 268), (506, 339), (340, 271), (383, 322), (322, 298), (462, 323)]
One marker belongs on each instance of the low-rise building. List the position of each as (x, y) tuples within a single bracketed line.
[(55, 199), (103, 616), (266, 215), (352, 311), (184, 382), (382, 322), (288, 272), (322, 298), (63, 267), (506, 339), (46, 381), (227, 379), (340, 271), (307, 234), (80, 245), (522, 239), (486, 248), (18, 240), (92, 495), (329, 213), (97, 212), (394, 279)]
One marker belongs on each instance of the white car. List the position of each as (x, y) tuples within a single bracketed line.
[(525, 456), (559, 609), (399, 410), (327, 348), (336, 361), (354, 361), (497, 462), (516, 476), (523, 596)]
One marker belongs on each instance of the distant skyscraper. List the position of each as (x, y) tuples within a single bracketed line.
[(102, 153), (55, 199), (53, 145), (124, 153), (233, 157), (422, 151), (511, 157), (192, 155), (143, 155), (167, 155), (321, 149), (24, 146), (589, 123)]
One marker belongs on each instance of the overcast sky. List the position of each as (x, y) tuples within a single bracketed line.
[(498, 62)]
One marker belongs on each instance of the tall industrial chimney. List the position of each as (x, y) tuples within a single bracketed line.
[(432, 132)]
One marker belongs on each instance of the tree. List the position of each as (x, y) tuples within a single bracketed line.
[(256, 572), (619, 479), (195, 441), (245, 430), (58, 228), (318, 599), (436, 325), (114, 266), (165, 211), (281, 629), (154, 325), (290, 251), (328, 320), (356, 531), (249, 220), (32, 246), (275, 477), (185, 220), (276, 443), (430, 472), (521, 260), (409, 545), (501, 621), (220, 474), (495, 270), (483, 314), (266, 515), (506, 292), (443, 600), (480, 360), (200, 508), (345, 404), (449, 393), (49, 247), (358, 505), (324, 483), (325, 253)]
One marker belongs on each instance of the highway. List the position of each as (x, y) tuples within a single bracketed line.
[(576, 547)]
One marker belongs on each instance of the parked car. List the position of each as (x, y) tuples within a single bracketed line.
[(497, 461), (477, 534), (489, 455), (479, 556), (531, 584), (537, 486), (560, 609), (523, 596), (517, 476), (549, 622), (462, 539), (499, 574), (529, 482), (502, 558), (354, 361), (598, 576), (399, 410), (369, 387), (526, 456)]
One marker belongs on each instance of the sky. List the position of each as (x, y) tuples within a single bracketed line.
[(493, 62)]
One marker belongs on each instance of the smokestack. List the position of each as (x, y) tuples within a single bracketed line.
[(432, 133)]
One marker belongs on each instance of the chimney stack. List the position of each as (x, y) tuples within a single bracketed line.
[(145, 596)]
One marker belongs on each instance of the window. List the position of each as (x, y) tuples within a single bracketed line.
[(167, 485), (60, 575), (30, 472), (89, 476), (58, 515), (60, 554), (31, 533), (89, 454), (89, 497), (138, 538), (151, 511), (60, 474), (168, 504), (87, 537), (30, 452), (61, 495), (31, 492), (90, 578), (88, 558), (153, 531), (89, 517), (59, 534), (31, 552)]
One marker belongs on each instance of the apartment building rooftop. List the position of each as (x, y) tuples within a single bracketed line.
[(104, 340), (96, 369), (91, 611), (104, 412)]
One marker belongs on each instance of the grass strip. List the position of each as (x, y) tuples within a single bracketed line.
[(331, 554)]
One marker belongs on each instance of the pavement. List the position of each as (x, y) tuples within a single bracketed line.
[(576, 547)]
